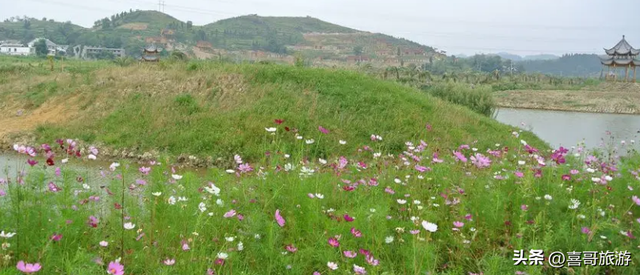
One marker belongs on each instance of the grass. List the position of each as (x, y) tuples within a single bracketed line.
[(477, 98), (234, 230), (217, 110)]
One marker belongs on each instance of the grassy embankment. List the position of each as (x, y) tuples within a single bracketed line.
[(213, 110), (368, 211)]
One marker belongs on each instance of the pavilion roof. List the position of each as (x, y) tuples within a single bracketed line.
[(609, 61), (622, 48)]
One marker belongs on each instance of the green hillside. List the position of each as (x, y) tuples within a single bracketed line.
[(132, 29)]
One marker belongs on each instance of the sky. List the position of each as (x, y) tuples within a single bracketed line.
[(523, 27)]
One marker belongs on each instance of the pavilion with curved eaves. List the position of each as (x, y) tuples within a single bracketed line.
[(622, 55)]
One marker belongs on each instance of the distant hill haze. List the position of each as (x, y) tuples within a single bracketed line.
[(250, 36)]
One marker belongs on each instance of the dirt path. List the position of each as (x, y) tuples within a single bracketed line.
[(14, 120)]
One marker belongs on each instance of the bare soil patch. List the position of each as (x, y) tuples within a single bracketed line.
[(135, 26)]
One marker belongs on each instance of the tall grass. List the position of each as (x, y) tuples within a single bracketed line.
[(478, 98)]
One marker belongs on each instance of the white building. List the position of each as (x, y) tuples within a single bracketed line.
[(16, 49)]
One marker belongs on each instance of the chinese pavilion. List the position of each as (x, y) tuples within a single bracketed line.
[(622, 55), (150, 54)]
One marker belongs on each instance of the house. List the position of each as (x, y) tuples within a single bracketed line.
[(16, 49), (87, 51), (52, 47), (358, 59)]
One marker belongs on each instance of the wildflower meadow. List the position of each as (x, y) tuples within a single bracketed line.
[(461, 210)]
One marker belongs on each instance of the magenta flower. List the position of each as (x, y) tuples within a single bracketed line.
[(566, 177), (27, 267), (372, 261), (518, 174), (420, 169), (245, 168), (586, 230), (348, 218), (58, 172), (334, 242), (468, 217), (144, 170), (323, 130), (279, 219), (56, 237), (115, 268), (32, 162), (350, 254), (524, 207)]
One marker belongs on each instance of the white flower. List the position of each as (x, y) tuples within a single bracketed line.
[(222, 255), (416, 202), (213, 189), (240, 246), (86, 186), (431, 227), (581, 217), (608, 178), (591, 170), (574, 204), (323, 161), (176, 177), (172, 200), (230, 171), (256, 236), (372, 210), (104, 243), (202, 207), (219, 202), (397, 180), (388, 239), (92, 157), (157, 194), (332, 265), (182, 199), (112, 167), (342, 142), (319, 196), (400, 201), (229, 239), (66, 160), (309, 141), (298, 137), (521, 162), (271, 129), (6, 235), (129, 226), (523, 142), (548, 197), (377, 155)]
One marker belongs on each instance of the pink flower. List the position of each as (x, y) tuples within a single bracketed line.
[(32, 162), (460, 156), (56, 237), (291, 248), (518, 174), (356, 233), (279, 219), (421, 169), (115, 268), (245, 168), (566, 177), (480, 160), (359, 269), (334, 242), (350, 254), (169, 261), (468, 217), (93, 221), (415, 232), (372, 261), (524, 207), (585, 230), (144, 170), (458, 224), (53, 187), (230, 213), (636, 200), (58, 171), (574, 172), (185, 246), (27, 267), (323, 130), (389, 190)]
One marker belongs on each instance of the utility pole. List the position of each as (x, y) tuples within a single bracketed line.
[(161, 5)]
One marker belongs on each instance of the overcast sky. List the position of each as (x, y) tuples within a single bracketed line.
[(521, 27)]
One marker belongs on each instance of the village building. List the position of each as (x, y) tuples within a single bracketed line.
[(88, 51), (622, 55), (16, 49)]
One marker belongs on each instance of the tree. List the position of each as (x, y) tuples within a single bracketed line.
[(357, 50), (41, 47), (27, 24), (189, 25)]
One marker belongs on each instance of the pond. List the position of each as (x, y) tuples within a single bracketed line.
[(567, 129)]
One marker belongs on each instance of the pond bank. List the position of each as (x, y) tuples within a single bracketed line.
[(613, 101)]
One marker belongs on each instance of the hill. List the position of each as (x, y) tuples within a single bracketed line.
[(214, 109), (248, 37)]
